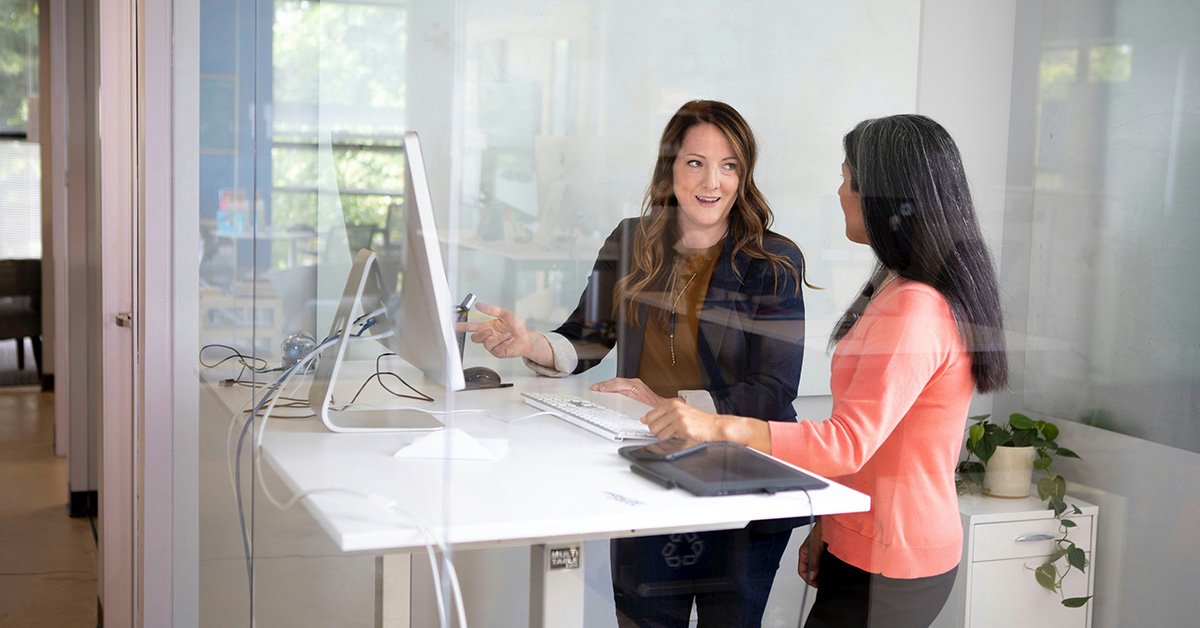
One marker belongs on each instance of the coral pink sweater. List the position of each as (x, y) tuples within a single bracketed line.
[(901, 385)]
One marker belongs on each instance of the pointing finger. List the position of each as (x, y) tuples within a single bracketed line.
[(489, 309), (507, 317)]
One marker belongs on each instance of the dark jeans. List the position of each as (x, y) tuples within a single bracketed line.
[(728, 573), (849, 597)]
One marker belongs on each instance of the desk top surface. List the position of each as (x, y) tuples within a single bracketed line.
[(555, 481), (982, 508)]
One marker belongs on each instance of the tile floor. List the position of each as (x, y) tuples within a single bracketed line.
[(47, 559)]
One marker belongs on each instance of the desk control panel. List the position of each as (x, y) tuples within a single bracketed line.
[(590, 416)]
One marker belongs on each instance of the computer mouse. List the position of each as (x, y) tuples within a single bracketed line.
[(481, 377)]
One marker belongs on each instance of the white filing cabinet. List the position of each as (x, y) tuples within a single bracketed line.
[(995, 587)]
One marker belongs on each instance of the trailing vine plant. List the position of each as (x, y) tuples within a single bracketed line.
[(983, 437)]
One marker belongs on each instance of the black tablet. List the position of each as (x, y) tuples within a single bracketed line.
[(724, 468)]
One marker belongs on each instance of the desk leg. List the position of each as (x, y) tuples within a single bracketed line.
[(393, 591), (556, 586)]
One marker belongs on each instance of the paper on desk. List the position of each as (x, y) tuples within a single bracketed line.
[(454, 444)]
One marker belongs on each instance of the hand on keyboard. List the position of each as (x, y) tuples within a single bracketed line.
[(631, 387), (590, 415)]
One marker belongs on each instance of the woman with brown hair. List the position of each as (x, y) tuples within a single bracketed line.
[(703, 304)]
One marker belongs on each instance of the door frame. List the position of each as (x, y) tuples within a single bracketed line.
[(148, 493), (118, 525), (168, 32)]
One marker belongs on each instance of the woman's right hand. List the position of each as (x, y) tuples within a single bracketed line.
[(506, 336), (809, 566)]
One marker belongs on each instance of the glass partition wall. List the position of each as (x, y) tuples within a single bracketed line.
[(301, 114), (539, 124)]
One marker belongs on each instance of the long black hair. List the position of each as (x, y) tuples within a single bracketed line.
[(921, 223)]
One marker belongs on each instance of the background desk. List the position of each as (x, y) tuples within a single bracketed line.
[(557, 485), (513, 259)]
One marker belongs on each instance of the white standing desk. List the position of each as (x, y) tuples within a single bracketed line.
[(556, 486)]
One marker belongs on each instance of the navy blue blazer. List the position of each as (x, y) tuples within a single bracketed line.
[(750, 338)]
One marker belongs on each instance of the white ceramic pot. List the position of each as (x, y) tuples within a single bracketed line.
[(1009, 472)]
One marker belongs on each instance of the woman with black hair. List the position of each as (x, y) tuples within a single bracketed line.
[(702, 302), (909, 352)]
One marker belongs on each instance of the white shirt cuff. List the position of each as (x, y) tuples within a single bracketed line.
[(700, 400), (565, 358)]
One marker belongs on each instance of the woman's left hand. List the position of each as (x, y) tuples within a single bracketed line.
[(633, 388)]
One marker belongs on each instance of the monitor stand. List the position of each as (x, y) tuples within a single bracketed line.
[(476, 377), (363, 289)]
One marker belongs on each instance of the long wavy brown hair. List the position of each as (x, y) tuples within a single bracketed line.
[(654, 256)]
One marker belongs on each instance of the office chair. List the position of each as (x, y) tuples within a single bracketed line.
[(21, 306)]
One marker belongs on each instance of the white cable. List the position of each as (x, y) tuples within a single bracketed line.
[(277, 387), (271, 408), (300, 366), (386, 334), (359, 404), (430, 539), (530, 416), (808, 567), (391, 506), (424, 529), (229, 444), (456, 589), (377, 312)]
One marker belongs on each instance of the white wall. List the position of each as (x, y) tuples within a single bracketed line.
[(813, 71), (965, 80), (1115, 201), (1086, 250), (72, 130)]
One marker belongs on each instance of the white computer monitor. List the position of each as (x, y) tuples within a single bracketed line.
[(428, 341), (417, 325)]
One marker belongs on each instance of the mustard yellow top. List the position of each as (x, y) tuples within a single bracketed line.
[(685, 298)]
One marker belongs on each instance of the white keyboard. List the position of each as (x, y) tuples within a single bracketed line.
[(590, 416)]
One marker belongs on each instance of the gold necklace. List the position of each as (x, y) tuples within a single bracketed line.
[(887, 282), (675, 304)]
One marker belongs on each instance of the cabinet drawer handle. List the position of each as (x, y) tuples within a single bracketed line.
[(1030, 538)]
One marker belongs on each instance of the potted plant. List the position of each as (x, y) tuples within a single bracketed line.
[(1006, 456)]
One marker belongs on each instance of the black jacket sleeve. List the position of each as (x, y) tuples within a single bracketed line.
[(592, 328)]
